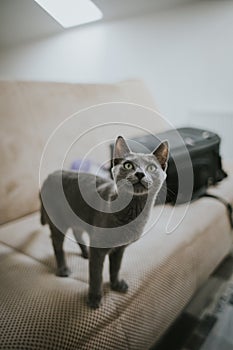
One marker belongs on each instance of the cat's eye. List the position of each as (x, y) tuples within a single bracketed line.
[(151, 168), (128, 166)]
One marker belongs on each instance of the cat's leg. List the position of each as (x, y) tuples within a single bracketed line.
[(96, 261), (115, 258), (57, 240), (79, 239)]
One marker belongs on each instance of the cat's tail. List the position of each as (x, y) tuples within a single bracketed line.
[(43, 215)]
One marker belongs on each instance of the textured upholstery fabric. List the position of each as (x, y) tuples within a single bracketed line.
[(31, 111), (42, 311)]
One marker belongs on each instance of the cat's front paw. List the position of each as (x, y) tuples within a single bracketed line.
[(120, 286), (85, 254), (63, 271), (94, 301)]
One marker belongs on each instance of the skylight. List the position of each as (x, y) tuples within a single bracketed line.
[(70, 13)]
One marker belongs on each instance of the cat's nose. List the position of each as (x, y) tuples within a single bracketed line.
[(139, 175)]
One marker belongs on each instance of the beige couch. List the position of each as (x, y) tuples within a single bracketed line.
[(41, 311)]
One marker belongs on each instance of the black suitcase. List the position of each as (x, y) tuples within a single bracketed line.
[(194, 163)]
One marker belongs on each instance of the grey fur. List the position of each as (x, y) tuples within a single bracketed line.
[(121, 209)]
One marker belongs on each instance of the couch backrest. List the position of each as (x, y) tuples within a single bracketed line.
[(31, 111)]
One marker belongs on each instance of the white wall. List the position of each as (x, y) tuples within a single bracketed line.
[(184, 55)]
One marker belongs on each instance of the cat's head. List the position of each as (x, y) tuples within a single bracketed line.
[(139, 172)]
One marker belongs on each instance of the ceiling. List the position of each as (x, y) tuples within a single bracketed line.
[(24, 20)]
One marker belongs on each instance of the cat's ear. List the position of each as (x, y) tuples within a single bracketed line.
[(121, 149), (162, 153)]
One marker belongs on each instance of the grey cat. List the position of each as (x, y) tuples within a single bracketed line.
[(112, 212)]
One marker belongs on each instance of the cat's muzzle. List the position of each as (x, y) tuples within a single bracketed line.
[(140, 187)]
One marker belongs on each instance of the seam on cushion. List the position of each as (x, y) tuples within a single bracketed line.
[(23, 253), (120, 321), (106, 324), (37, 260), (119, 315), (21, 217), (4, 254)]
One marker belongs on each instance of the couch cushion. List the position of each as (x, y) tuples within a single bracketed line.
[(31, 111), (42, 311)]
